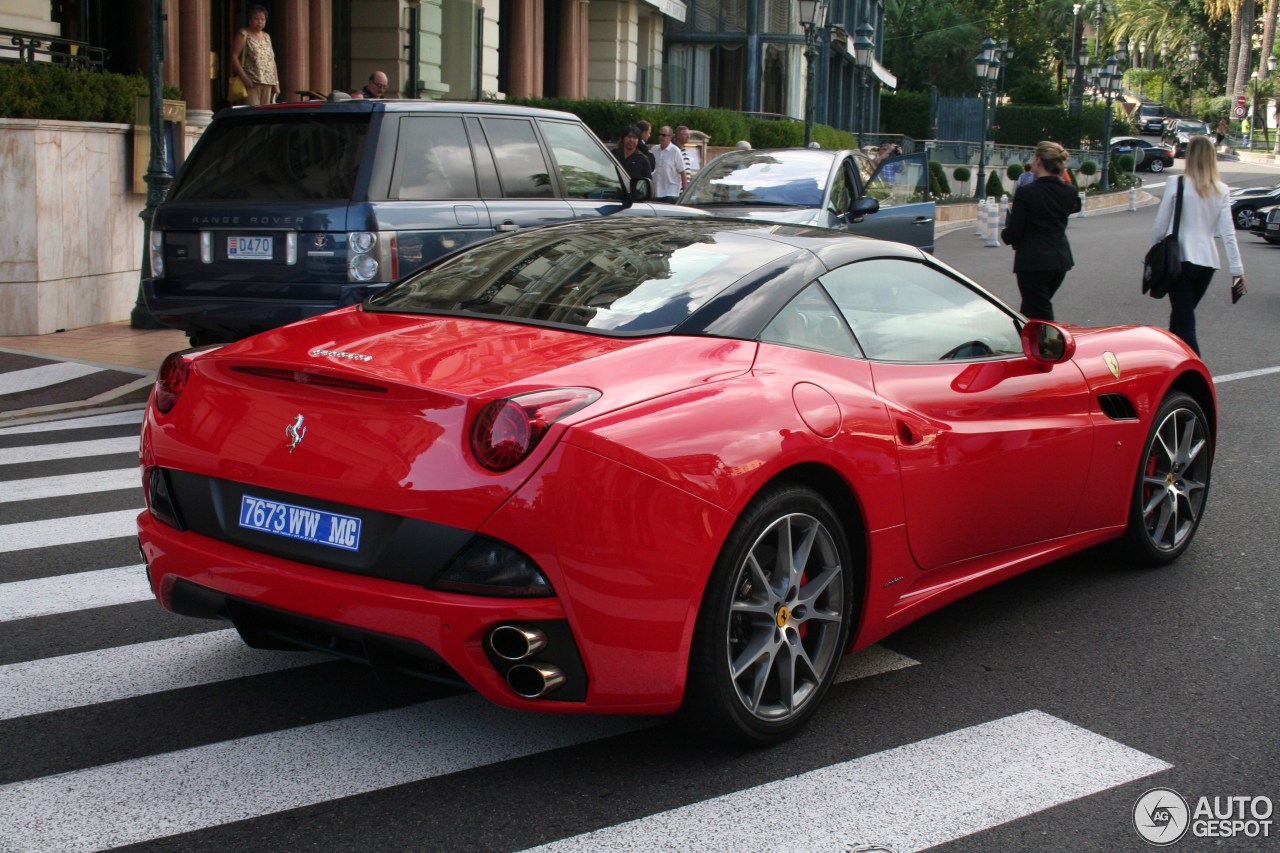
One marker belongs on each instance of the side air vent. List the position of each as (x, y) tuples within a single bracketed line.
[(307, 377), (1117, 407)]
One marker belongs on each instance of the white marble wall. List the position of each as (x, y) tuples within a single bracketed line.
[(70, 234)]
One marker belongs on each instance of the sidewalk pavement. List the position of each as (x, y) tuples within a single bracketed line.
[(113, 366), (107, 366)]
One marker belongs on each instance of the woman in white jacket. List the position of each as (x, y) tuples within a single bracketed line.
[(1206, 213)]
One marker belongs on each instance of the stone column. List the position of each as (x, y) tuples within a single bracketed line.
[(321, 46), (172, 52), (196, 39), (525, 37), (572, 48), (294, 68)]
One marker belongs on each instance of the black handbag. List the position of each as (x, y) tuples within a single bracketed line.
[(1163, 263)]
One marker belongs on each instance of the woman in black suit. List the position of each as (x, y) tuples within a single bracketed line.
[(1037, 231)]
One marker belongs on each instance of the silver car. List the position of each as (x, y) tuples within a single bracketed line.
[(844, 190)]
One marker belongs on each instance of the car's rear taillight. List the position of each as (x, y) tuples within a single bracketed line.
[(170, 381), (506, 431), (371, 256), (155, 247)]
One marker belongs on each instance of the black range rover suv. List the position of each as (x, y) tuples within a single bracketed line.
[(286, 211)]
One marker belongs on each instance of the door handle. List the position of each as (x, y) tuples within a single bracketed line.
[(508, 226), (906, 434), (922, 220)]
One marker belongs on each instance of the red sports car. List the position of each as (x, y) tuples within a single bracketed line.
[(641, 466)]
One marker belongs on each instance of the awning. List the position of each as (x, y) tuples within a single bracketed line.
[(884, 75), (671, 8)]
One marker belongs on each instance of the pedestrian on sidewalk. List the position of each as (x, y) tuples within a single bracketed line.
[(1037, 231), (669, 176), (254, 61), (1206, 213)]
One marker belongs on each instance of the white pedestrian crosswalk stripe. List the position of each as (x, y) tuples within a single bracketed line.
[(148, 798), (132, 416), (68, 593), (909, 798), (68, 531), (17, 381), (107, 675), (71, 484), (67, 450)]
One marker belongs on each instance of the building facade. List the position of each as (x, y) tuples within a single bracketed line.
[(746, 55)]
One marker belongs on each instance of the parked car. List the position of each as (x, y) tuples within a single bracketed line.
[(1178, 131), (1271, 229), (1146, 155), (844, 190), (1266, 223), (1245, 201), (1151, 117), (641, 465), (286, 211)]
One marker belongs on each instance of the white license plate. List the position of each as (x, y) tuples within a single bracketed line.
[(300, 522), (249, 248), (1273, 226)]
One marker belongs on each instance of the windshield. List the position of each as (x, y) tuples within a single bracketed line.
[(276, 156), (610, 275), (1192, 127), (781, 178)]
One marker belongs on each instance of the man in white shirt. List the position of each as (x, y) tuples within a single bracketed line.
[(692, 162), (669, 175)]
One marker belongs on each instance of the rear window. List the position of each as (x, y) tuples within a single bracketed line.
[(615, 277), (276, 157)]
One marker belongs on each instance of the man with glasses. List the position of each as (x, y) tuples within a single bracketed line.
[(375, 86), (669, 174)]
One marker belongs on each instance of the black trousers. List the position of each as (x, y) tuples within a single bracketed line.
[(1184, 295), (1037, 288)]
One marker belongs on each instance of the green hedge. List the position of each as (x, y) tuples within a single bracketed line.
[(725, 127), (1022, 124), (906, 113), (53, 92)]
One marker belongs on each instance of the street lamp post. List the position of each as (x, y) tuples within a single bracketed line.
[(1074, 72), (1253, 110), (1142, 71), (1164, 65), (1271, 67), (1110, 84), (157, 177), (988, 64), (864, 48), (1194, 56), (811, 12)]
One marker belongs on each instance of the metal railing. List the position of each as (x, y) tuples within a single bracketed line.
[(33, 48)]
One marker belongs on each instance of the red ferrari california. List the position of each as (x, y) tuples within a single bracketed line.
[(648, 466)]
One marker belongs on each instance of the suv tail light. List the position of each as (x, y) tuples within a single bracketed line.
[(371, 256), (506, 431), (155, 246)]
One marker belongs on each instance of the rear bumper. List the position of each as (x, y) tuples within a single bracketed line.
[(405, 632), (202, 307)]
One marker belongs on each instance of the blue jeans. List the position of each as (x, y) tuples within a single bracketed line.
[(1184, 295)]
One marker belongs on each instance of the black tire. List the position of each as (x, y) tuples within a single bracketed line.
[(1171, 489), (1243, 217), (1272, 240), (782, 623)]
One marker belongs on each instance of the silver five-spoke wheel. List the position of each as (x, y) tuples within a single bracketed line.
[(1173, 481), (784, 622), (774, 621)]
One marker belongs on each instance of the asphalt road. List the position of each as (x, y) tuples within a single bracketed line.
[(1031, 716)]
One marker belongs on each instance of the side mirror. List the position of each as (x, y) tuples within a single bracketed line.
[(863, 207), (1047, 344), (641, 189)]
